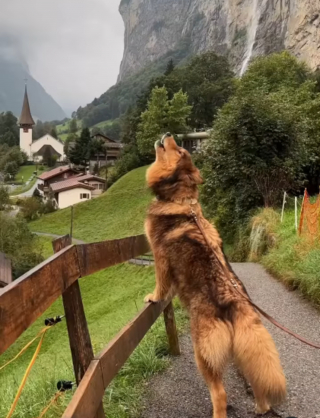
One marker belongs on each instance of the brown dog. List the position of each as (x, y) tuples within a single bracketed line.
[(223, 324)]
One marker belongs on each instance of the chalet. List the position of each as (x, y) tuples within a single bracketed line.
[(5, 270), (77, 189), (193, 141), (113, 150), (53, 176)]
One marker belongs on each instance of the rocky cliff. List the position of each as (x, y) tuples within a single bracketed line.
[(242, 29)]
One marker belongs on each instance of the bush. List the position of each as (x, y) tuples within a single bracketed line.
[(19, 244), (31, 208), (4, 198)]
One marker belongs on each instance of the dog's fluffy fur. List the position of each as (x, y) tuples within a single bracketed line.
[(223, 325)]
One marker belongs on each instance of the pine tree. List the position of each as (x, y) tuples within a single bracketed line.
[(170, 67), (73, 127), (80, 152)]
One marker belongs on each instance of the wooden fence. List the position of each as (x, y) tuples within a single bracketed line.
[(24, 300)]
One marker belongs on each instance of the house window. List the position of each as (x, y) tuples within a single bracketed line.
[(84, 196), (96, 186), (101, 186)]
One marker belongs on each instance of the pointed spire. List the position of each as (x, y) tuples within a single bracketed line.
[(26, 118)]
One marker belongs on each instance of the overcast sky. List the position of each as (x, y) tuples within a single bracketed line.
[(73, 47)]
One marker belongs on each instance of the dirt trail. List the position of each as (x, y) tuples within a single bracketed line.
[(181, 393)]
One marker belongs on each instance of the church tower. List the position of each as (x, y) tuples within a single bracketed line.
[(26, 122)]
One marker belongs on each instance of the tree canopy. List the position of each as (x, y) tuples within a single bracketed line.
[(162, 115)]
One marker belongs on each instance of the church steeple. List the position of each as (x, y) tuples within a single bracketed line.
[(26, 120)]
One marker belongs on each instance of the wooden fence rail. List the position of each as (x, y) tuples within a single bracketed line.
[(23, 301)]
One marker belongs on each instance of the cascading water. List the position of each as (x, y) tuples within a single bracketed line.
[(252, 33)]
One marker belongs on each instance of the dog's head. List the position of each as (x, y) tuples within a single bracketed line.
[(173, 174)]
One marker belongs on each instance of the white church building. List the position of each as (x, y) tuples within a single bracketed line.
[(42, 146)]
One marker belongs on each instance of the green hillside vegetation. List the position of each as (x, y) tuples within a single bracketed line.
[(289, 257), (117, 213)]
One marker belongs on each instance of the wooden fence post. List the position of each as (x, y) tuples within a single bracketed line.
[(171, 329), (79, 337)]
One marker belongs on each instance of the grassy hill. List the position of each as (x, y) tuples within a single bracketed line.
[(118, 213), (111, 298)]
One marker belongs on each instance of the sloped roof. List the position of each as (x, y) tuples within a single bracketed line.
[(25, 117), (47, 149), (91, 177), (105, 137), (55, 172), (71, 183)]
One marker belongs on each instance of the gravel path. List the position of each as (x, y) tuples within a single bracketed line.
[(181, 393)]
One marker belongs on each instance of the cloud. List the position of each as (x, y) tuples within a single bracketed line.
[(72, 47)]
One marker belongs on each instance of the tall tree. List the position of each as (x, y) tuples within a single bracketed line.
[(161, 116), (81, 151), (54, 133), (73, 127)]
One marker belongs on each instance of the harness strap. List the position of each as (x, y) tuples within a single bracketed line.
[(247, 298)]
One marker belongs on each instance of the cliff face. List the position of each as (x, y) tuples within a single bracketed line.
[(242, 29)]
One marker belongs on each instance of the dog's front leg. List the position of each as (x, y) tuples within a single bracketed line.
[(163, 282)]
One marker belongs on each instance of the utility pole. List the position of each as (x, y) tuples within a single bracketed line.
[(106, 147), (283, 204)]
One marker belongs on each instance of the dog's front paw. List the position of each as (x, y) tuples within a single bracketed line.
[(150, 298)]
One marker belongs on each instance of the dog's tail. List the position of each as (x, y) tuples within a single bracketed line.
[(258, 359)]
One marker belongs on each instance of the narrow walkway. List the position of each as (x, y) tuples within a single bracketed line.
[(181, 393), (55, 236)]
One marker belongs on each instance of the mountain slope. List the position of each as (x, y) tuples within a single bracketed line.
[(240, 28), (12, 75)]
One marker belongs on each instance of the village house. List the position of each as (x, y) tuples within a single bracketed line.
[(76, 189), (113, 151), (53, 176)]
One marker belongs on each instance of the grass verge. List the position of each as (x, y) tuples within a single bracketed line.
[(293, 259)]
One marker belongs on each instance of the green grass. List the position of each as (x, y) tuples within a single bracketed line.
[(105, 123), (118, 213), (293, 259), (111, 298), (25, 172)]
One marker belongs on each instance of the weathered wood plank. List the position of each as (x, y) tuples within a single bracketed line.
[(111, 359), (61, 243), (88, 395), (79, 337), (24, 300), (171, 328), (100, 255)]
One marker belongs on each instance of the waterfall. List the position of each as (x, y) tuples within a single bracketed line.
[(251, 36)]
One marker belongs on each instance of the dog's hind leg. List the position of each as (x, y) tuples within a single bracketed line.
[(212, 351), (258, 359)]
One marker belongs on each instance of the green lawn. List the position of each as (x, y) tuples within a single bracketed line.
[(118, 213), (25, 172)]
